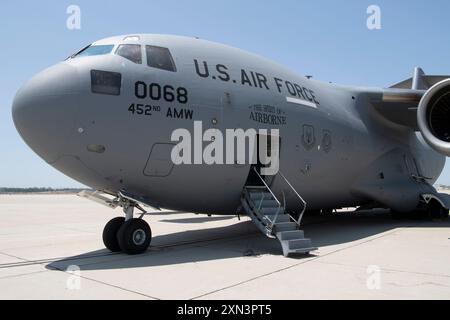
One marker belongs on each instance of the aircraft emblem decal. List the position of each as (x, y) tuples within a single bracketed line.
[(309, 139), (326, 141)]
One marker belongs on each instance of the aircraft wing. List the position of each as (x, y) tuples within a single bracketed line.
[(428, 81), (398, 106), (400, 102)]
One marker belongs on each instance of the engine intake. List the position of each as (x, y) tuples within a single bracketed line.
[(433, 117)]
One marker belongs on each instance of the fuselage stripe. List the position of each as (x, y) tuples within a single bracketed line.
[(301, 102)]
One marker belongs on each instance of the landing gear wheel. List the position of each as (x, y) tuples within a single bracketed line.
[(110, 234), (435, 211), (445, 214), (134, 236), (432, 211)]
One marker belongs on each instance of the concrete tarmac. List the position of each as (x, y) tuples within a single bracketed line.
[(51, 248)]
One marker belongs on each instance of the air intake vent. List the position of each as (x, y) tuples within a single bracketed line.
[(439, 115)]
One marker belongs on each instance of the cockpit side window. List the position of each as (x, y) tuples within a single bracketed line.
[(106, 82), (159, 57), (94, 50), (131, 52)]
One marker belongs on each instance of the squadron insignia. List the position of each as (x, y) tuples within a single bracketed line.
[(309, 139), (326, 141)]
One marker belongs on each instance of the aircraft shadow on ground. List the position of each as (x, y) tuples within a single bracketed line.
[(235, 240), (197, 220)]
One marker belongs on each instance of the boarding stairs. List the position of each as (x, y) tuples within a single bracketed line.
[(272, 218)]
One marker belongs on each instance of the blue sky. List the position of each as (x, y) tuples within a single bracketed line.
[(327, 39)]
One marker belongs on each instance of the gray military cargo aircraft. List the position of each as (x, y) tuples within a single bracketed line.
[(106, 117)]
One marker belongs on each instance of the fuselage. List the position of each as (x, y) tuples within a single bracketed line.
[(117, 136)]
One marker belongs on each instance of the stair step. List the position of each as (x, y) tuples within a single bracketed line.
[(302, 250), (290, 235), (285, 226), (269, 203), (265, 203), (271, 211), (272, 220), (260, 195), (256, 187), (281, 218), (299, 244)]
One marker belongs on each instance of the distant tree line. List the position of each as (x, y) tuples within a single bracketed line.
[(38, 190)]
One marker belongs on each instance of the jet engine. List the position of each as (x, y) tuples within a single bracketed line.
[(433, 117)]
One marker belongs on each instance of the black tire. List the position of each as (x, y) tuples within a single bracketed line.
[(134, 236), (110, 234), (436, 211), (445, 213)]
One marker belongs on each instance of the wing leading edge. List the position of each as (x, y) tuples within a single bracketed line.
[(400, 102)]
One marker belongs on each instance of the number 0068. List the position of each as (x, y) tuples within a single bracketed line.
[(157, 92)]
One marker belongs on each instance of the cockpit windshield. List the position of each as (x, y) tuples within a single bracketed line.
[(94, 50)]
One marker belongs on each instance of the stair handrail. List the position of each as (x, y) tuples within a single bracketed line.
[(273, 195), (299, 220)]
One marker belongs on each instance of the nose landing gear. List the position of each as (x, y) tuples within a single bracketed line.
[(435, 211), (110, 234), (134, 236), (130, 235)]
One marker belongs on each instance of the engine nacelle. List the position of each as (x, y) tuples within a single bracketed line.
[(433, 117)]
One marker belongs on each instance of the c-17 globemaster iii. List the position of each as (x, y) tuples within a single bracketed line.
[(146, 120)]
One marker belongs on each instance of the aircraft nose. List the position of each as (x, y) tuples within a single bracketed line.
[(44, 110)]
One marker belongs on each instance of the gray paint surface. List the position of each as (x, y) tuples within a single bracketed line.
[(359, 145)]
